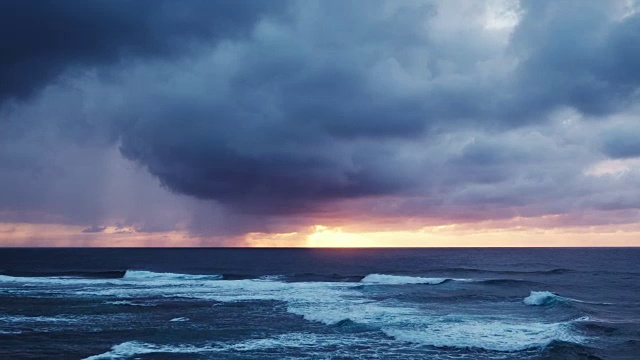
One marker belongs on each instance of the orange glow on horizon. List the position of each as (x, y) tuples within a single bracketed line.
[(507, 233), (455, 235)]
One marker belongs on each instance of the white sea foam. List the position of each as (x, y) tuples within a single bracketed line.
[(140, 275), (56, 280), (412, 324), (179, 319), (333, 302), (383, 279), (505, 335), (272, 277), (291, 340), (132, 348), (473, 333), (130, 275), (541, 298), (544, 298), (9, 323), (39, 319), (35, 280), (127, 302)]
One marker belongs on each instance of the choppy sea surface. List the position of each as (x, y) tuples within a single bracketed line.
[(320, 303)]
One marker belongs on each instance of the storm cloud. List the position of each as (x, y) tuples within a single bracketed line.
[(273, 111), (43, 39)]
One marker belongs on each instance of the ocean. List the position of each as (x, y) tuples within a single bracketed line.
[(229, 303)]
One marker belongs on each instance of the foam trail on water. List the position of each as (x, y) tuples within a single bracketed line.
[(140, 275), (39, 319), (132, 348), (179, 319), (127, 302), (488, 335), (291, 340), (137, 276), (383, 279), (10, 332)]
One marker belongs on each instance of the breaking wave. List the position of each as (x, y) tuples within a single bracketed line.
[(405, 280), (547, 298), (311, 343), (140, 275), (133, 348), (489, 334)]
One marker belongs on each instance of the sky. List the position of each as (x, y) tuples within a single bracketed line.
[(319, 123)]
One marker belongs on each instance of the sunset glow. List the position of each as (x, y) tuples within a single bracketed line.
[(321, 124), (464, 235)]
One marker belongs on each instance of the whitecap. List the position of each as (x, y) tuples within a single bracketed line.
[(383, 279), (291, 340), (503, 335), (132, 348), (127, 302), (39, 319), (272, 277), (56, 280), (140, 275), (179, 319), (545, 298)]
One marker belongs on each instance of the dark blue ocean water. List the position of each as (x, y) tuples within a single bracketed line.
[(320, 304)]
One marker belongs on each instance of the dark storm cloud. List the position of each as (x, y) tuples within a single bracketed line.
[(306, 114), (289, 123), (284, 177), (272, 110), (39, 40)]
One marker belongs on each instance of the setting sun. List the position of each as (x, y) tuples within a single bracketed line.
[(325, 237)]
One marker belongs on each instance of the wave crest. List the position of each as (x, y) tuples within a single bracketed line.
[(545, 298), (488, 335), (140, 275), (383, 279)]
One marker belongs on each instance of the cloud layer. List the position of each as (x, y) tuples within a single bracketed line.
[(263, 116)]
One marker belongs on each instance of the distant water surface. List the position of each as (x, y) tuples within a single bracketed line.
[(320, 303)]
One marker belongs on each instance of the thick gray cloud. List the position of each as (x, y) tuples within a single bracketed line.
[(42, 39), (251, 113), (576, 53)]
